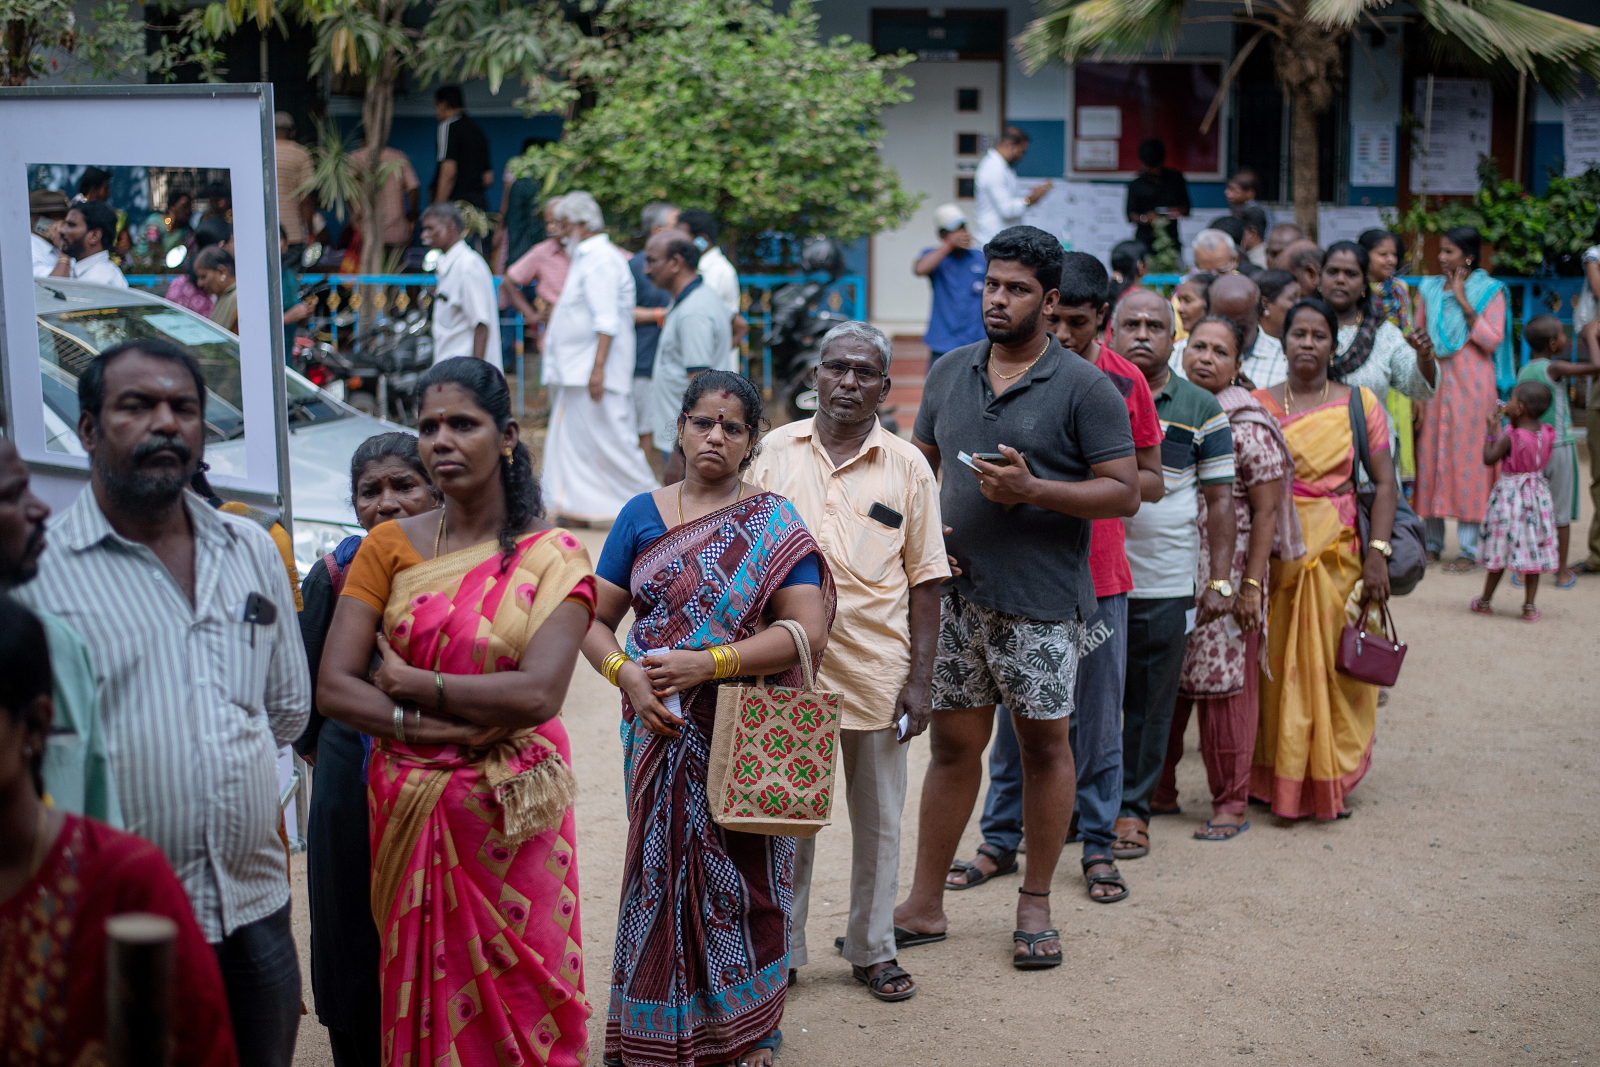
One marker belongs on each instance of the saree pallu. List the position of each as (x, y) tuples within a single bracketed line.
[(475, 879), (702, 959), (1314, 741)]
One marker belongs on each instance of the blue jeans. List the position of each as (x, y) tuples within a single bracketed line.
[(1466, 535), (261, 976), (1096, 734)]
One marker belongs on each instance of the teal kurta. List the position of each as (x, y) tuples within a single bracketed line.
[(77, 772)]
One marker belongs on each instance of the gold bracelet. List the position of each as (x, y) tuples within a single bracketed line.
[(612, 666), (726, 659), (438, 689), (1252, 581), (400, 724)]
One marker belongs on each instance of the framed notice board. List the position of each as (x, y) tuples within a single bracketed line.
[(1117, 105)]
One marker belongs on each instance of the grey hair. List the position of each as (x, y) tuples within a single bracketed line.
[(859, 331), (1211, 240), (581, 208), (656, 214), (447, 213), (1137, 291)]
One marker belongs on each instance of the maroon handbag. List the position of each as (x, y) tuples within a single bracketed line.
[(1371, 658)]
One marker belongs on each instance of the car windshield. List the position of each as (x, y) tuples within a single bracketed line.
[(68, 340)]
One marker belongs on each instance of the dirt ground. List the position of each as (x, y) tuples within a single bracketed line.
[(1453, 915)]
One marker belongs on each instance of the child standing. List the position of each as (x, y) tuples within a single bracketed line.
[(1548, 344), (1519, 525)]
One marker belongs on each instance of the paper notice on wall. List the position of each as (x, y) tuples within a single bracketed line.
[(1100, 122), (1345, 223), (1580, 134), (1086, 216), (1452, 132), (1094, 155), (1372, 160)]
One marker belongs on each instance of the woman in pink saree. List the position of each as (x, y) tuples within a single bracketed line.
[(483, 607)]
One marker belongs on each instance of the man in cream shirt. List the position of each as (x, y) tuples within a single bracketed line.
[(466, 308), (872, 502)]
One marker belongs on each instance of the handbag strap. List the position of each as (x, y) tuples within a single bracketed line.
[(1358, 434), (801, 643), (1387, 620)]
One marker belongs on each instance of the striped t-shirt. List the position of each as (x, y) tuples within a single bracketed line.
[(1163, 539)]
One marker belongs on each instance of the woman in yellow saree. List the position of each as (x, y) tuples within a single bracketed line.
[(483, 607), (1315, 738)]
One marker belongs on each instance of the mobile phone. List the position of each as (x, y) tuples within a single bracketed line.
[(992, 457), (901, 726)]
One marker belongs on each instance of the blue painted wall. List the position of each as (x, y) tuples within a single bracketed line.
[(1047, 147)]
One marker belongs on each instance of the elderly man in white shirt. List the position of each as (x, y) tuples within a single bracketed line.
[(46, 209), (1000, 200), (592, 460), (87, 235), (466, 307)]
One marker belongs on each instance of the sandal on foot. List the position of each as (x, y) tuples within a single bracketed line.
[(889, 975), (1460, 565), (1133, 838), (1112, 877), (1035, 961), (1480, 606), (774, 1041), (1531, 616), (1584, 568), (904, 938), (1005, 861), (1210, 833), (1572, 579)]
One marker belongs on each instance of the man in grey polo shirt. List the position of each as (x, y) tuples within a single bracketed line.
[(1012, 625), (696, 335)]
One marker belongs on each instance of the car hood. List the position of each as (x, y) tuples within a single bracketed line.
[(319, 465)]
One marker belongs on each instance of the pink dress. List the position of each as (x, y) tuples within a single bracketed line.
[(1519, 531), (1452, 481)]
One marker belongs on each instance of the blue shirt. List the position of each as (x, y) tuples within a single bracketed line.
[(646, 335), (957, 316), (639, 523)]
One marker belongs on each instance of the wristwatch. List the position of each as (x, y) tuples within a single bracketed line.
[(1221, 585), (1382, 546)]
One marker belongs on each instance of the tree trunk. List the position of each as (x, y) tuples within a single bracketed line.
[(1304, 150), (377, 118)]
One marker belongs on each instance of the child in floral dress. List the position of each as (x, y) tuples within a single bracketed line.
[(1519, 531)]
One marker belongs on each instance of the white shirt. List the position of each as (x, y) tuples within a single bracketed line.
[(443, 136), (1265, 364), (45, 256), (99, 269), (597, 298), (465, 297), (721, 278), (999, 203)]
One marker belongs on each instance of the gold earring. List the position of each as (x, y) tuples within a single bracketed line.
[(506, 453)]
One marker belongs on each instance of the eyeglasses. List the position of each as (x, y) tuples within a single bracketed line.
[(864, 377), (733, 431)]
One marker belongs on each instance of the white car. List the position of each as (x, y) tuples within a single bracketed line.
[(78, 319)]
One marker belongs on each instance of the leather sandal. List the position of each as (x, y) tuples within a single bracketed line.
[(1133, 838), (1005, 861), (889, 975), (1112, 877)]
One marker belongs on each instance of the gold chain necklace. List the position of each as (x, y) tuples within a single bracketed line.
[(1288, 395), (1024, 370), (736, 499), (438, 538)]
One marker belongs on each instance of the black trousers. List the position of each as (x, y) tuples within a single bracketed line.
[(1155, 658), (262, 977)]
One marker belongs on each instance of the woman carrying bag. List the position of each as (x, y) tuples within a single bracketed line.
[(708, 566)]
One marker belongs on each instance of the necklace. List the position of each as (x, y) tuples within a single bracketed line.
[(1288, 395), (736, 499), (1024, 370), (40, 832), (438, 538)]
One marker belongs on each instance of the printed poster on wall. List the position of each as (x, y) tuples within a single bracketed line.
[(1086, 216), (1444, 155), (1372, 160), (1580, 134)]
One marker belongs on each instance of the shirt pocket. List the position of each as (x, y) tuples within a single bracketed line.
[(1177, 448), (869, 550), (241, 652)]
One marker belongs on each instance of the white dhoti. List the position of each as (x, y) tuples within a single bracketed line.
[(592, 460)]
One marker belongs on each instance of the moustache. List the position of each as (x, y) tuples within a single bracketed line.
[(162, 443)]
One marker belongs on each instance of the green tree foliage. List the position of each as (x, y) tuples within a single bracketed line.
[(730, 106), (41, 38)]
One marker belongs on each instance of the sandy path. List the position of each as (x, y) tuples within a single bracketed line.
[(1454, 915)]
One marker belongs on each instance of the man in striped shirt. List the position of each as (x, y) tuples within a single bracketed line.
[(202, 676), (1163, 547)]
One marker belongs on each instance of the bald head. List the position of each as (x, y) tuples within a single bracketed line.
[(1280, 237), (1233, 296), (1303, 259)]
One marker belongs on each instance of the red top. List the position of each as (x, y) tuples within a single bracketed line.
[(53, 952), (1108, 564)]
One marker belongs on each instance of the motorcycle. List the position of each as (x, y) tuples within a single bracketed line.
[(799, 320)]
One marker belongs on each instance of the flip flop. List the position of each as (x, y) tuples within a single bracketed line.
[(1005, 861), (1032, 962), (876, 982), (1201, 835), (904, 938), (1570, 582)]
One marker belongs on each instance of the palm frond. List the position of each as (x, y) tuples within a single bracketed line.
[(334, 179), (1495, 32), (1340, 13), (1071, 30)]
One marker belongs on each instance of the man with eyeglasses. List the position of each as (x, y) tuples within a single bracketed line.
[(872, 502), (696, 333)]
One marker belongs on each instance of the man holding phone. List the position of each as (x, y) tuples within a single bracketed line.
[(873, 504), (1013, 624)]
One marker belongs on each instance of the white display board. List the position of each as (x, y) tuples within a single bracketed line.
[(1453, 131), (1346, 223), (1580, 134), (1372, 158), (1086, 216), (200, 126)]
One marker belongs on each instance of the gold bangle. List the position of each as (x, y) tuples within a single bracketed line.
[(726, 660), (612, 666), (438, 690), (1252, 581), (400, 724)]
